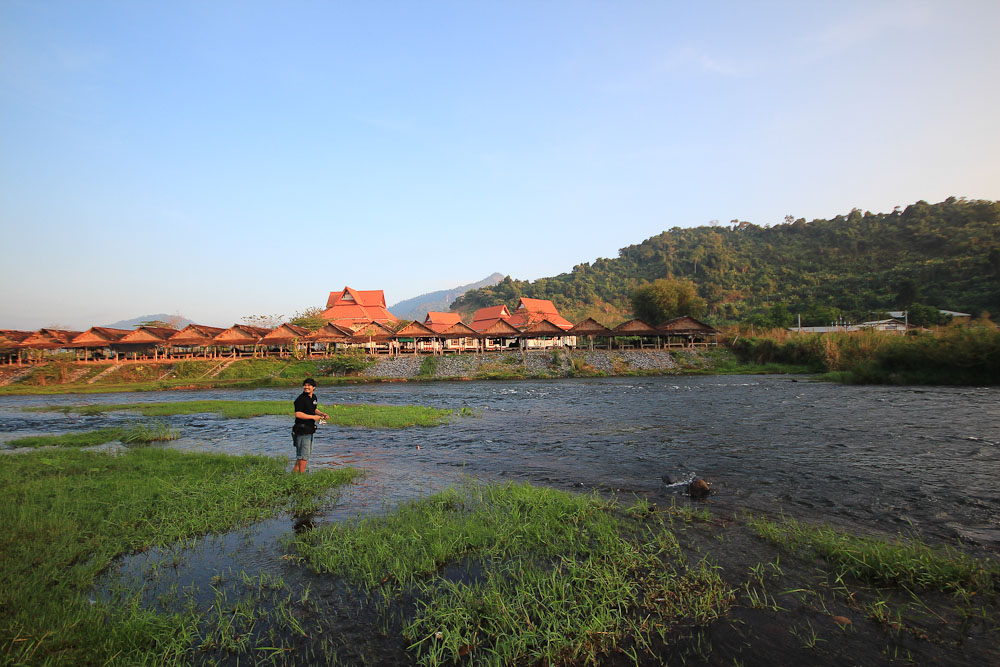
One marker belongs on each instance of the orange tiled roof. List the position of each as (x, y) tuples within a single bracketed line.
[(486, 317), (357, 306), (533, 311), (440, 321)]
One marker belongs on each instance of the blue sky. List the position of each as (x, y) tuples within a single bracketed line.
[(222, 159)]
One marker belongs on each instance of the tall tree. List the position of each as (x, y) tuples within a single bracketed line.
[(664, 299)]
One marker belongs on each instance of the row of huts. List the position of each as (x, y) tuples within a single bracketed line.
[(535, 324)]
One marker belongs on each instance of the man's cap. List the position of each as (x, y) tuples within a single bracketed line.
[(309, 381)]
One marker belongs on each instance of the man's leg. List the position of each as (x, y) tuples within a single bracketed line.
[(303, 449)]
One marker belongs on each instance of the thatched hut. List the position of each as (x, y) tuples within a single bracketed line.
[(374, 337), (689, 332), (241, 339), (543, 334), (285, 340), (329, 334), (636, 331), (414, 337), (144, 342), (97, 339), (193, 340), (10, 340), (592, 329), (460, 337), (500, 335), (47, 340)]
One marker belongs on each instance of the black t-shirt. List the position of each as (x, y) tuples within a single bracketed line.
[(305, 404)]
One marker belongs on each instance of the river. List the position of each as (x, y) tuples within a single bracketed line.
[(912, 460)]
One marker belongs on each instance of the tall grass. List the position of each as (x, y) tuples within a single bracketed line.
[(954, 355), (902, 562), (556, 577), (68, 513)]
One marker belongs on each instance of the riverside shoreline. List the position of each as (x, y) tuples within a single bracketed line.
[(59, 376)]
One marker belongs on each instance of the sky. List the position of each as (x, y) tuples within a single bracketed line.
[(224, 159)]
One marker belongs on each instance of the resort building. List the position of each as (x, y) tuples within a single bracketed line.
[(351, 307), (533, 311)]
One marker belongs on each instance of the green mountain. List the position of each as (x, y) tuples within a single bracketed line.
[(418, 307), (946, 255)]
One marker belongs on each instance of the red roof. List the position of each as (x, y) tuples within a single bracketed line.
[(533, 311), (351, 306), (440, 321), (487, 317)]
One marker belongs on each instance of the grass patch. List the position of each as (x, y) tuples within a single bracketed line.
[(368, 416), (428, 367), (909, 563), (68, 513), (136, 433), (557, 577)]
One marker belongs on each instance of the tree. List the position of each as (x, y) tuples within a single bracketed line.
[(264, 321), (923, 316), (664, 299), (310, 318), (158, 324)]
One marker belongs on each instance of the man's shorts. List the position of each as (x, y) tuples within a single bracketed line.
[(303, 445)]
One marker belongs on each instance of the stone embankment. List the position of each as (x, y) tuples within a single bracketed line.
[(534, 363)]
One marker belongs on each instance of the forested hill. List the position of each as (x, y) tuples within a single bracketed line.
[(945, 255)]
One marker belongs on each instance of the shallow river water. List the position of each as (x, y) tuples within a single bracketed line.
[(890, 459)]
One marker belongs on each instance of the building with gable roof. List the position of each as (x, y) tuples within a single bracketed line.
[(353, 307), (440, 321), (533, 311), (484, 318)]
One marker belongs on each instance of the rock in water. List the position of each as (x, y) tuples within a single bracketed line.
[(699, 488)]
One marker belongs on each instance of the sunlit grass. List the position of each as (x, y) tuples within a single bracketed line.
[(370, 416)]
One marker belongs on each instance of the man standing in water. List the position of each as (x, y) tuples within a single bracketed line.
[(306, 416)]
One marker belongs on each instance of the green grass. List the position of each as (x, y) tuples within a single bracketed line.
[(135, 433), (909, 563), (562, 577), (68, 513), (369, 416)]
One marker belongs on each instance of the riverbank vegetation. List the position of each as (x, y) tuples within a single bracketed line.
[(955, 355), (369, 416), (491, 574), (135, 433), (68, 514)]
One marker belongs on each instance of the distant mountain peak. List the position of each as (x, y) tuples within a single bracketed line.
[(417, 307), (179, 321)]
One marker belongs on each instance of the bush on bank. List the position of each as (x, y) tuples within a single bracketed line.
[(954, 356)]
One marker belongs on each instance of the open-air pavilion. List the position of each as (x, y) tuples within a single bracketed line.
[(543, 334), (327, 335), (635, 333), (194, 340), (592, 329), (98, 340), (688, 332), (241, 340), (285, 341), (414, 337)]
